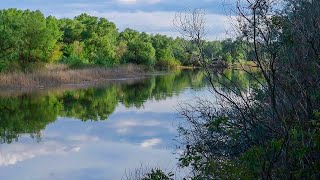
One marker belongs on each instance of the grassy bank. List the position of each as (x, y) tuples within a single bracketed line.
[(57, 75)]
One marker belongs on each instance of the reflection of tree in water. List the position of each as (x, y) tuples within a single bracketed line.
[(136, 94), (237, 81), (159, 87), (26, 115), (167, 86), (29, 114), (90, 104)]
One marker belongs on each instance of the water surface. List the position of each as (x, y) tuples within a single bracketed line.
[(96, 133)]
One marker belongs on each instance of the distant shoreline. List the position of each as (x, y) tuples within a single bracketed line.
[(61, 76)]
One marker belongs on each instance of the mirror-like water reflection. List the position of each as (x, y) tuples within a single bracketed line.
[(96, 133)]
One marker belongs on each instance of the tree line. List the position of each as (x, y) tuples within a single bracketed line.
[(28, 37)]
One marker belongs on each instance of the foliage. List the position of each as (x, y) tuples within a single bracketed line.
[(158, 174), (169, 64), (28, 37), (228, 58), (91, 39), (73, 61), (139, 52), (268, 129)]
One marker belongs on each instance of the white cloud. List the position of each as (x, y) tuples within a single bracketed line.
[(150, 142), (127, 1), (140, 19), (126, 126), (138, 1), (135, 123), (159, 22), (122, 130), (21, 153), (83, 138), (85, 5), (104, 158)]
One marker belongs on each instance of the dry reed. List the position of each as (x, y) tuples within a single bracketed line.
[(62, 75)]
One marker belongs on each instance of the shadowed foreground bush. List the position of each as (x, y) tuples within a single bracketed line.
[(144, 173)]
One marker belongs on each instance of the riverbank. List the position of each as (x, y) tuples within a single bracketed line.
[(55, 76), (243, 65), (59, 77)]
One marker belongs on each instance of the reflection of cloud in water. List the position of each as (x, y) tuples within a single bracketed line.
[(134, 123), (168, 105), (150, 142), (19, 152), (164, 106), (97, 159), (83, 138), (125, 126), (131, 136)]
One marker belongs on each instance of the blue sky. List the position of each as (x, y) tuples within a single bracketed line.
[(151, 16)]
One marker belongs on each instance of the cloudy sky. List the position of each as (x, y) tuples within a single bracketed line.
[(152, 16)]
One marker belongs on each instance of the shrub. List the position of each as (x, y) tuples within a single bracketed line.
[(16, 66), (140, 52), (228, 58), (33, 67), (3, 65), (158, 174), (170, 63), (74, 61), (106, 62)]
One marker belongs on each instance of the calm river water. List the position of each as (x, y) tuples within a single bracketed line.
[(95, 133)]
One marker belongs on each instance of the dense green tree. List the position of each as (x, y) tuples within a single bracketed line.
[(139, 52), (228, 57), (28, 37), (213, 49), (162, 45), (239, 50), (90, 39), (129, 35), (182, 51), (9, 38), (71, 30), (38, 37), (136, 48), (164, 51)]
